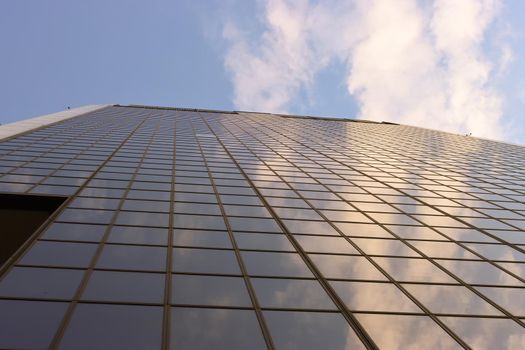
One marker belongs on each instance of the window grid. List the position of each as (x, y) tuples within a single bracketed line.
[(169, 186)]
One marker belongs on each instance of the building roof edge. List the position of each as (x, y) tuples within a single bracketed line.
[(16, 128)]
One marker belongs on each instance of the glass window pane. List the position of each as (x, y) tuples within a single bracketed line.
[(254, 224), (415, 232), (479, 272), (451, 300), (375, 207), (413, 270), (86, 216), (199, 238), (347, 216), (251, 211), (59, 254), (497, 251), (75, 232), (487, 333), (320, 244), (275, 264), (197, 208), (209, 290), (263, 241), (362, 230), (348, 267), (241, 200), (406, 332), (439, 221), (511, 299), (372, 296), (41, 319), (466, 235), (384, 247), (151, 206), (94, 203), (310, 330), (125, 286), (205, 261), (39, 283), (106, 326), (292, 294), (138, 258), (195, 197), (299, 214), (199, 222), (134, 218), (310, 227), (336, 205), (448, 250), (232, 329), (394, 219), (286, 202), (138, 235)]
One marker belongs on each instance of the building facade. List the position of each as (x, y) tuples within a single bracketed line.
[(170, 228)]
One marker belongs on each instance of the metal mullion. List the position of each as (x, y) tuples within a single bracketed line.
[(251, 291), (88, 271), (351, 320), (169, 254)]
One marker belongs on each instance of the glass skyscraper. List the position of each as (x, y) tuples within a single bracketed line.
[(170, 228)]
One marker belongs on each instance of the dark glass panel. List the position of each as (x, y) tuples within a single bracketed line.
[(125, 287), (232, 329), (29, 324), (105, 326), (311, 330), (209, 290)]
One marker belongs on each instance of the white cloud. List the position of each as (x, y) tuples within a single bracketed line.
[(268, 73), (411, 62)]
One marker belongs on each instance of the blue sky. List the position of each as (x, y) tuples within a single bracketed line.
[(434, 64)]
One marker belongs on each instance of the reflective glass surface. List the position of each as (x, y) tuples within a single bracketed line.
[(413, 270), (125, 286), (512, 299), (59, 254), (347, 267), (204, 261), (373, 296), (19, 317), (209, 290), (275, 264), (479, 272), (101, 326), (218, 329), (406, 332), (196, 229), (292, 294), (138, 235), (450, 300), (486, 333), (40, 283), (127, 257), (311, 330)]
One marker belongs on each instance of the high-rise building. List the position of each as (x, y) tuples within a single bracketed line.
[(134, 227)]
